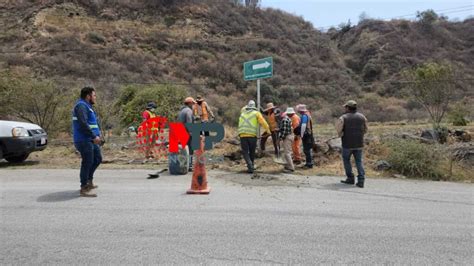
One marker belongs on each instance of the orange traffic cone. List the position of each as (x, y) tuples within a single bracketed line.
[(199, 181)]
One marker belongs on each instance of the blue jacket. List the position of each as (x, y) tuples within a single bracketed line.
[(85, 125)]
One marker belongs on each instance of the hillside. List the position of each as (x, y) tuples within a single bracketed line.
[(201, 46)]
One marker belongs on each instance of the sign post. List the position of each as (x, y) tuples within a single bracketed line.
[(256, 70)]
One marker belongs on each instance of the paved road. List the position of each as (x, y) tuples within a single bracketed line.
[(278, 220)]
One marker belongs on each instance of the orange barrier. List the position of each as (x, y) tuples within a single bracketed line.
[(199, 181)]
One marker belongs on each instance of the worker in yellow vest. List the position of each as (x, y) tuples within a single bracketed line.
[(249, 122)]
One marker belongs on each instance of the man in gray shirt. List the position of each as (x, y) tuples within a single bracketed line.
[(185, 116), (351, 127)]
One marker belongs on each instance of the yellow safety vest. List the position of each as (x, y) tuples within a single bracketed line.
[(154, 126), (248, 123), (152, 115)]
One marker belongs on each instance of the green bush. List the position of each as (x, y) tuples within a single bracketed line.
[(415, 159), (133, 99), (457, 116), (170, 21), (96, 38)]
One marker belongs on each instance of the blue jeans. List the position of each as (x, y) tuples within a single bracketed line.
[(91, 159), (346, 158)]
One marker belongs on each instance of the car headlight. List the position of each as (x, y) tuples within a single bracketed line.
[(19, 132)]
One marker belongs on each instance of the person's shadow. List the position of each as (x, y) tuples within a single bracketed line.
[(338, 186), (59, 196)]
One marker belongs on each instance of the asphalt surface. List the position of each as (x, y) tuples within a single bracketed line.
[(278, 220)]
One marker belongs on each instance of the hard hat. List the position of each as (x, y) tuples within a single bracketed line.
[(189, 100)]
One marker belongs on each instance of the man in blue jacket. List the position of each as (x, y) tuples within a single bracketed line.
[(86, 134)]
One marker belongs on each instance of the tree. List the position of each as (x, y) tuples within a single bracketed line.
[(133, 99), (432, 85), (26, 98)]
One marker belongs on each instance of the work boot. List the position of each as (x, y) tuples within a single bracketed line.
[(360, 184), (90, 185), (250, 169), (288, 170), (84, 192), (349, 181)]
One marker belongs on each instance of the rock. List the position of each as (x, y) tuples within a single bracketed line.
[(320, 147), (108, 14), (371, 140), (335, 144), (466, 137), (233, 142), (420, 139), (124, 147), (461, 135), (399, 176), (137, 161), (430, 134), (382, 165), (234, 156), (463, 152)]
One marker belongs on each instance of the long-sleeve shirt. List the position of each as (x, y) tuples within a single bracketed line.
[(285, 128), (340, 126), (82, 113), (262, 123)]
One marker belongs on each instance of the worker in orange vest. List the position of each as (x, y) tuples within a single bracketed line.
[(295, 121), (202, 112), (273, 123), (150, 134)]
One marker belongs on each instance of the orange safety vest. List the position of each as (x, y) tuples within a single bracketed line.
[(295, 121), (204, 115), (272, 122)]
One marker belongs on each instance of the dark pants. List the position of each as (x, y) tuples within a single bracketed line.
[(249, 145), (191, 151), (276, 143), (91, 159), (346, 158), (308, 149)]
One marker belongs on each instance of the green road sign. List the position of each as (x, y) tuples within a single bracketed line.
[(258, 69)]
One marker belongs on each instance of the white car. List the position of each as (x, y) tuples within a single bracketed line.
[(19, 139)]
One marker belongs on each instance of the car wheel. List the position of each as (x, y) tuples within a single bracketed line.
[(17, 159)]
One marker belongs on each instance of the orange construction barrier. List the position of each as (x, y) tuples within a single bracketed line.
[(199, 181)]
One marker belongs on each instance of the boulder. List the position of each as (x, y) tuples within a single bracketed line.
[(382, 165), (334, 144), (430, 134), (371, 140), (320, 147), (413, 137), (461, 135), (464, 153), (234, 156)]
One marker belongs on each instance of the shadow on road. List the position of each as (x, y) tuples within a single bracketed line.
[(59, 196), (5, 164), (338, 186)]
